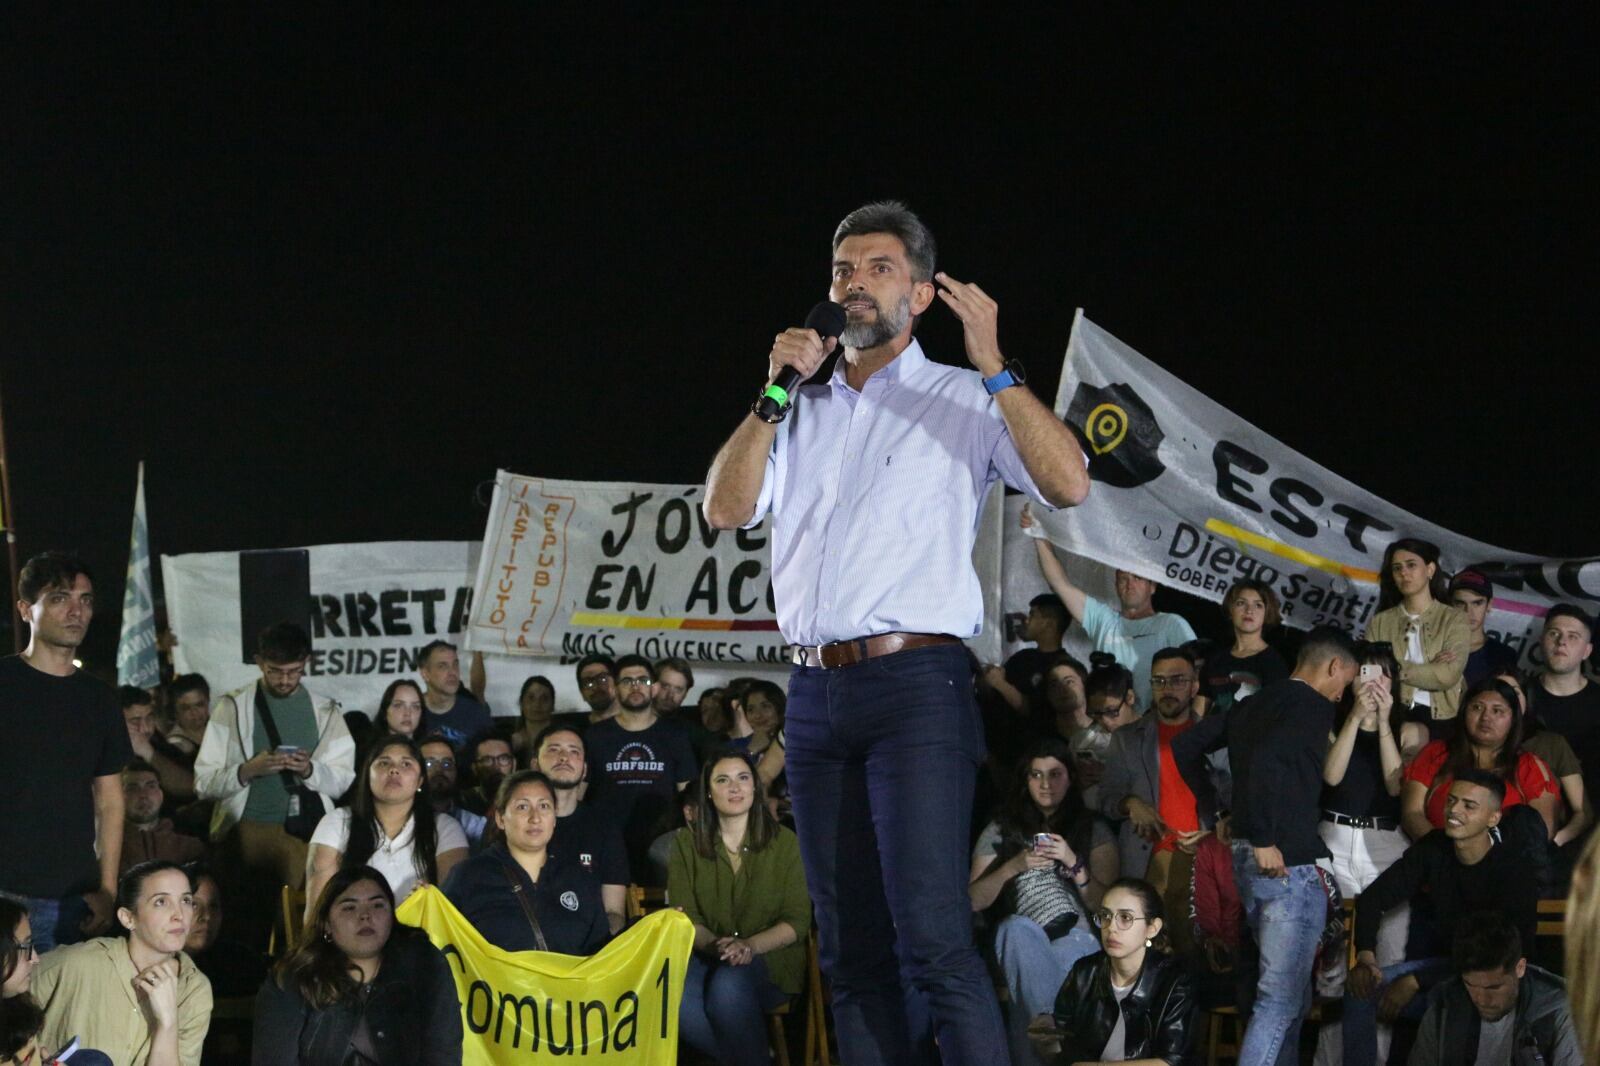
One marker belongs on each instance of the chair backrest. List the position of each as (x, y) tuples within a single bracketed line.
[(292, 913), (1552, 918), (642, 900)]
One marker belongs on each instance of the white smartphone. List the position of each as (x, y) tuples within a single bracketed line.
[(1371, 671)]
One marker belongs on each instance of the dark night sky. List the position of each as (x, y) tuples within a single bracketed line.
[(325, 276)]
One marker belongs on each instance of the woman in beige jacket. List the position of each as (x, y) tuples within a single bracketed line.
[(1431, 639)]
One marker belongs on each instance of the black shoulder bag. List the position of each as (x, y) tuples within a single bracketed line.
[(527, 905), (305, 803)]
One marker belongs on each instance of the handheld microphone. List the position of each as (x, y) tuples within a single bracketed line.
[(828, 320)]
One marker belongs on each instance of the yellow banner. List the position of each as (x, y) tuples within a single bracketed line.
[(620, 1005)]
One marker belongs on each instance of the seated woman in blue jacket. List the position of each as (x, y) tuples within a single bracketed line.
[(521, 894)]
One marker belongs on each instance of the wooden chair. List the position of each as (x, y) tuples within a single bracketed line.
[(1220, 1048), (642, 900), (816, 1053), (1552, 918), (292, 915)]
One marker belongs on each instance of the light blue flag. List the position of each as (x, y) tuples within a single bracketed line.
[(136, 651)]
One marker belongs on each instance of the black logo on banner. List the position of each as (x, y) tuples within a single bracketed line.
[(1124, 440)]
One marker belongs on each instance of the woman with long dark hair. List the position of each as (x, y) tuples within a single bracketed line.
[(1431, 639), (389, 825), (1489, 737), (537, 705), (736, 873), (1030, 875), (1130, 1001), (399, 710), (357, 989)]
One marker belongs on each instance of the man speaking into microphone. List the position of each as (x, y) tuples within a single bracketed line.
[(875, 479)]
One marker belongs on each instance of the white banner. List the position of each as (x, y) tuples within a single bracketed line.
[(400, 594), (373, 606), (1189, 494), (573, 567)]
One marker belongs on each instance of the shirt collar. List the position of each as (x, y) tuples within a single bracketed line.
[(901, 368)]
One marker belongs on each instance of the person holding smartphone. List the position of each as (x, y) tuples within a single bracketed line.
[(1031, 874), (1361, 775)]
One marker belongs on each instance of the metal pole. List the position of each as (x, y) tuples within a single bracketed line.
[(8, 518)]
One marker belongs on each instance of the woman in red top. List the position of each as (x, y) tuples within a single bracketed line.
[(1490, 738)]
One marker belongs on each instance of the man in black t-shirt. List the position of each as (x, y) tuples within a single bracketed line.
[(448, 709), (1562, 699), (638, 763), (581, 828), (62, 747)]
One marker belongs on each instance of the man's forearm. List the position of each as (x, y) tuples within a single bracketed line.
[(1048, 448), (733, 485)]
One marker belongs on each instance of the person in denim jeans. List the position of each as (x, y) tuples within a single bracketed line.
[(875, 488), (1030, 874), (1276, 741)]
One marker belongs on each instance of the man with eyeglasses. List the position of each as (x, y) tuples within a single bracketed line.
[(597, 684), (1142, 790), (249, 775), (439, 762), (638, 763), (490, 760)]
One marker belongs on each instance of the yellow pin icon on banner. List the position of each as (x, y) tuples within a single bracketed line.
[(1107, 424)]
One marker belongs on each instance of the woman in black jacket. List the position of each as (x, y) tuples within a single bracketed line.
[(1131, 1002), (357, 990)]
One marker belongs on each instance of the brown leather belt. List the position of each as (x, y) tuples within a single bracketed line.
[(860, 649)]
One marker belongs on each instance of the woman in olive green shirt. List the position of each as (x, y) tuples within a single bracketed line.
[(736, 873)]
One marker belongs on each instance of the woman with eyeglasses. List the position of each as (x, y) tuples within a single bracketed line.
[(1030, 874), (1131, 1001), (1431, 639), (20, 1017), (357, 989), (390, 825), (137, 997)]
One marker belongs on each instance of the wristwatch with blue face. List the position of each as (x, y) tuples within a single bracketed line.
[(1011, 374)]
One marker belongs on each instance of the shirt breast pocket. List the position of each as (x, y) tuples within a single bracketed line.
[(915, 495)]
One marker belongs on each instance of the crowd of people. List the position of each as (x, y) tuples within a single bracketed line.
[(1172, 828)]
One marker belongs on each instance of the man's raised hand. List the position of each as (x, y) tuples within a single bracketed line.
[(980, 322)]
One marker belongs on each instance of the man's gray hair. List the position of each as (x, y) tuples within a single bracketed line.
[(898, 220)]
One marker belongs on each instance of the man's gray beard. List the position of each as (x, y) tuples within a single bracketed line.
[(886, 328)]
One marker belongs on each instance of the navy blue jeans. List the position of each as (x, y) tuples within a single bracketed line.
[(882, 760), (724, 1010)]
